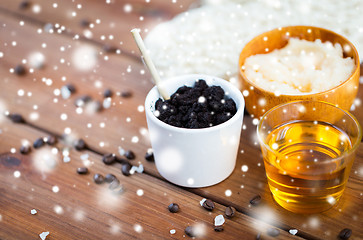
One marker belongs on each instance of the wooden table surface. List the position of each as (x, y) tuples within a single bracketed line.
[(72, 206)]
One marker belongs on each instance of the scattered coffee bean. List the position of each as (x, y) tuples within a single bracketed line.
[(345, 233), (208, 204), (109, 158), (126, 94), (9, 160), (82, 170), (149, 157), (38, 143), (24, 149), (24, 5), (125, 169), (258, 236), (84, 23), (255, 200), (80, 144), (81, 101), (97, 106), (218, 228), (114, 184), (173, 208), (121, 160), (19, 70), (71, 87), (130, 154), (98, 178), (190, 231), (51, 140), (109, 49), (107, 93), (273, 232), (109, 177), (16, 118), (361, 68), (230, 212)]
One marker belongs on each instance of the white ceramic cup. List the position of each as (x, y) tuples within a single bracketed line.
[(195, 157)]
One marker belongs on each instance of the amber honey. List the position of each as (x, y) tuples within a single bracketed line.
[(307, 169)]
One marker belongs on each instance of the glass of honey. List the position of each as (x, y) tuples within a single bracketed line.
[(308, 149)]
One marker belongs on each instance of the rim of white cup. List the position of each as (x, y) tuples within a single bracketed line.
[(224, 83)]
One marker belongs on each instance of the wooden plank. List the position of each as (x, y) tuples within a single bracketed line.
[(346, 214), (82, 209), (122, 119), (112, 19)]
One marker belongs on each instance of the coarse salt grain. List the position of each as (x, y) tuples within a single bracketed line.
[(219, 220), (43, 235), (33, 211)]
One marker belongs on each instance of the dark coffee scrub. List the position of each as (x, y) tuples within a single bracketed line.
[(200, 106)]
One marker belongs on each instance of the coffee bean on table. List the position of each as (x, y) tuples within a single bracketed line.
[(273, 232), (125, 169), (109, 49), (82, 170), (230, 212), (173, 208), (24, 5), (114, 184), (107, 93), (97, 106), (255, 200), (84, 23), (208, 204), (109, 177), (149, 157), (126, 94), (19, 70), (121, 160), (16, 118), (129, 154), (24, 149), (51, 140), (80, 144), (190, 231), (81, 101), (38, 143), (98, 178), (109, 158), (218, 228), (345, 233), (361, 68), (71, 88)]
